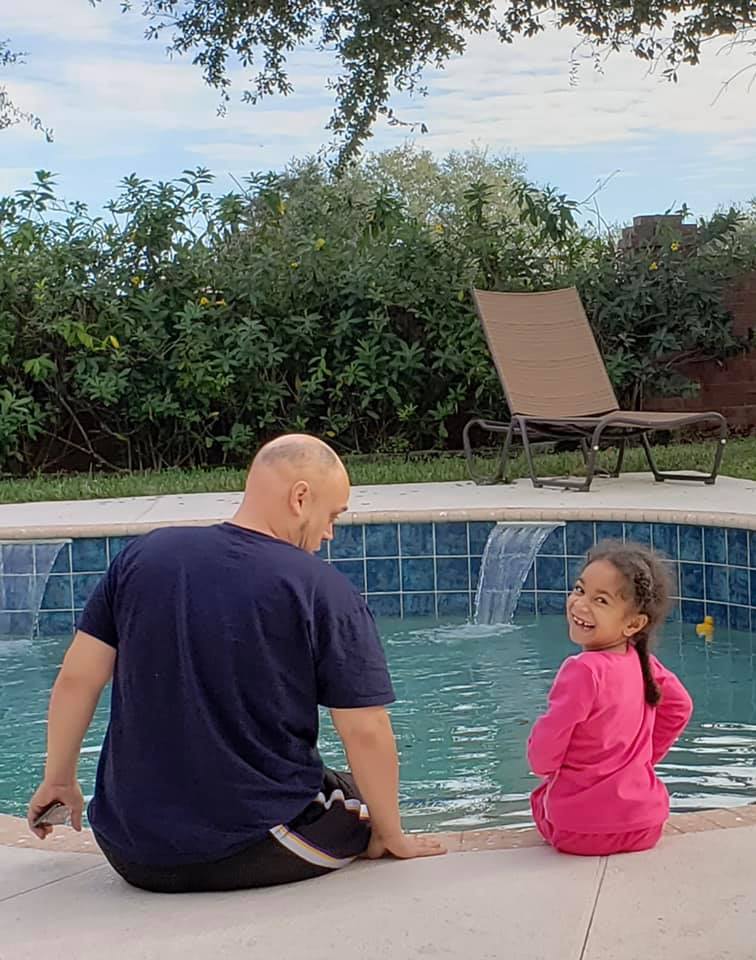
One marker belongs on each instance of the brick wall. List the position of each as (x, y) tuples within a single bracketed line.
[(728, 386)]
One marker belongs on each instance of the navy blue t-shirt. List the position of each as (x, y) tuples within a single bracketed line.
[(227, 640)]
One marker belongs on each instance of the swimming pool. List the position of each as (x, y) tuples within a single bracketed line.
[(467, 696)]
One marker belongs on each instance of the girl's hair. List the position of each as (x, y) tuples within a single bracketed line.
[(648, 589)]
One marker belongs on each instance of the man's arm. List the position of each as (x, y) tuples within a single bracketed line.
[(87, 668), (371, 751)]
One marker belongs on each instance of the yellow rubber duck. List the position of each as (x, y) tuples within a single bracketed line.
[(706, 629)]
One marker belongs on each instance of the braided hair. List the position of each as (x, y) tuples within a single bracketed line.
[(647, 588)]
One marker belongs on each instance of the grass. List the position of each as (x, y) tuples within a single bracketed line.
[(739, 461)]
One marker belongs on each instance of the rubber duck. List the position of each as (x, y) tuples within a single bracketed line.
[(706, 629)]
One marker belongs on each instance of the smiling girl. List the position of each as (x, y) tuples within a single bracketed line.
[(613, 712)]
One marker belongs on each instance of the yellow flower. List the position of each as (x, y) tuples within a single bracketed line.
[(675, 247), (204, 302), (281, 207), (439, 228), (294, 264), (319, 244), (653, 266), (114, 342), (136, 280)]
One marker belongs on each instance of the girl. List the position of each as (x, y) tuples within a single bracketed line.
[(614, 711)]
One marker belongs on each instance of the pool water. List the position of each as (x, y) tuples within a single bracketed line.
[(467, 696)]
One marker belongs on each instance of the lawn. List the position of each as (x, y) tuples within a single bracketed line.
[(739, 461)]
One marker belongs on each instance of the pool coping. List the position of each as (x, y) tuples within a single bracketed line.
[(14, 832)]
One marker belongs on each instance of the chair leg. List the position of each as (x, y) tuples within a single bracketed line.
[(501, 470), (523, 428), (620, 458), (710, 478)]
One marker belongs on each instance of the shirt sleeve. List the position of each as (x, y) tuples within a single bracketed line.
[(570, 701), (672, 713), (98, 618), (350, 664)]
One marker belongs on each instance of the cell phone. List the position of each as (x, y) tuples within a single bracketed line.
[(55, 815)]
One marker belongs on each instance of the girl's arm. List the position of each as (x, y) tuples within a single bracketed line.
[(570, 700), (672, 714)]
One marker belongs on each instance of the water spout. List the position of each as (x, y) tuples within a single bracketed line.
[(508, 556), (25, 568)]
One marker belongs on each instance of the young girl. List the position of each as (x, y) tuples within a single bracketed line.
[(614, 711)]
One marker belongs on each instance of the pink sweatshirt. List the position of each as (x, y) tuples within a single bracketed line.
[(598, 743)]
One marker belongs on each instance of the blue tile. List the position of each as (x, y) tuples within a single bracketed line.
[(692, 611), (715, 545), (474, 572), (550, 603), (418, 574), (737, 548), (526, 603), (717, 587), (89, 556), (675, 613), (17, 592), (452, 573), (116, 544), (383, 576), (753, 588), (46, 556), (638, 533), (554, 544), (385, 605), (347, 543), (740, 618), (451, 539), (719, 612), (479, 532), (691, 542), (692, 581), (551, 573), (530, 579), (664, 538), (83, 585), (17, 558), (454, 604), (354, 571), (574, 569), (579, 538), (739, 588), (752, 548), (608, 530), (324, 553), (416, 539), (673, 572), (381, 540), (56, 624), (419, 604), (58, 594), (16, 625)]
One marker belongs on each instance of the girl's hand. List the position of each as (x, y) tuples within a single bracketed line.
[(68, 794)]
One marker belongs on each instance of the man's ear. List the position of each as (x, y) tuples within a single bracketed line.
[(299, 493), (635, 625)]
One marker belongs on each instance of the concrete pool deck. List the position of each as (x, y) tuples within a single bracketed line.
[(692, 898), (729, 502)]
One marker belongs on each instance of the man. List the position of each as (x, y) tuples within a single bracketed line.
[(221, 642)]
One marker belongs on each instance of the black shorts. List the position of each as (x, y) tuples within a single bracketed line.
[(329, 833)]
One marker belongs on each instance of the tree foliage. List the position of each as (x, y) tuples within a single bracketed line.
[(10, 114), (383, 46)]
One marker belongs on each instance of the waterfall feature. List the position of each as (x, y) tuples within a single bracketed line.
[(24, 571), (508, 556)]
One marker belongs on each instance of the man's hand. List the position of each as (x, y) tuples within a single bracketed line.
[(48, 793), (404, 846)]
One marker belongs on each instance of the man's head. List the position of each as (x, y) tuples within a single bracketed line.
[(296, 488)]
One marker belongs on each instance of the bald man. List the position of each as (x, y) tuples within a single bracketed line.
[(222, 642)]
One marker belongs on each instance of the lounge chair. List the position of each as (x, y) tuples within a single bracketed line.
[(557, 388)]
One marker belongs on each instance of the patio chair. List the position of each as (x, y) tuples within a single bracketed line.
[(557, 388)]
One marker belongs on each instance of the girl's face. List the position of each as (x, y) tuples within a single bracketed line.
[(599, 615)]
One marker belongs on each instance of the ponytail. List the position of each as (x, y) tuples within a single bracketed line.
[(651, 688)]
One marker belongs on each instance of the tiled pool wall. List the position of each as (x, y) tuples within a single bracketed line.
[(431, 569)]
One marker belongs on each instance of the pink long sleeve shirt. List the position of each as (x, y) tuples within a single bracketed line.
[(598, 743)]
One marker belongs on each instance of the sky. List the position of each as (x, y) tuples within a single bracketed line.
[(119, 105)]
